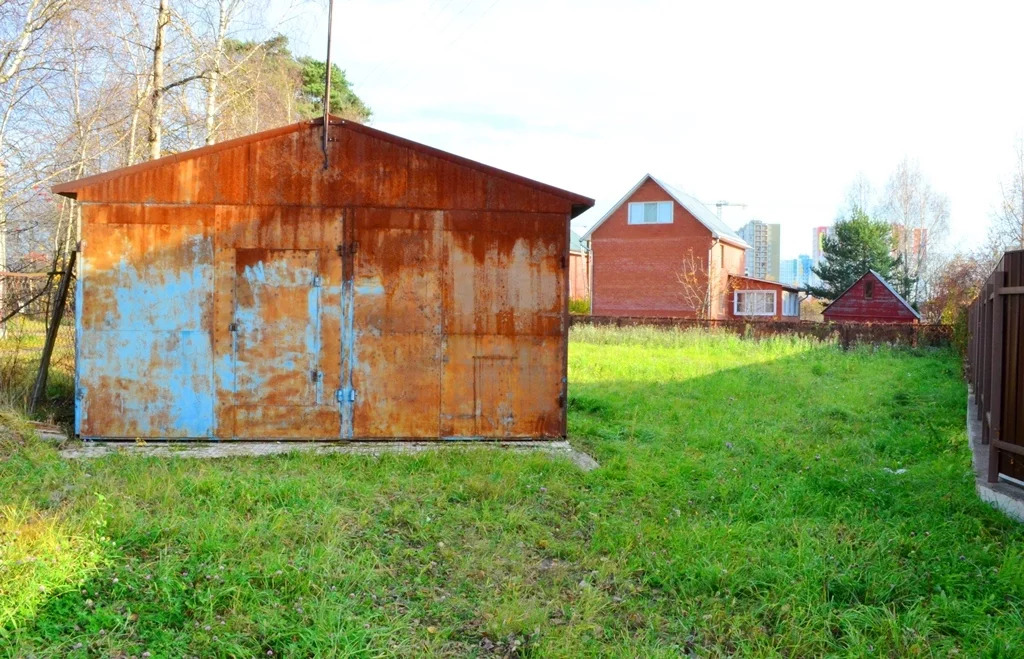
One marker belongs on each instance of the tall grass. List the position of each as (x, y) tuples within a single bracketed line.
[(750, 502), (579, 305), (21, 348)]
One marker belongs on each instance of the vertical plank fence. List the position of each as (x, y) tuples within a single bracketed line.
[(995, 358)]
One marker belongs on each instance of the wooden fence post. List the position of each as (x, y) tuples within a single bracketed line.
[(982, 395), (994, 415)]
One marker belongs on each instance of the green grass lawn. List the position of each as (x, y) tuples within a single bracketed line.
[(744, 506)]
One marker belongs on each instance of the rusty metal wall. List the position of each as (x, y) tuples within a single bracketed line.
[(244, 293)]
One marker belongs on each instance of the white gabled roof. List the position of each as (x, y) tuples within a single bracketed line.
[(703, 214), (885, 283)]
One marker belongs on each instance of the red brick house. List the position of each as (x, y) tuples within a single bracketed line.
[(871, 299), (660, 252), (761, 299)]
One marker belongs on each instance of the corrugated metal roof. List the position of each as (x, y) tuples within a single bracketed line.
[(703, 214), (575, 242), (699, 211), (71, 188), (788, 287)]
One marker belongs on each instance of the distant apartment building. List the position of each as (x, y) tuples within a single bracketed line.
[(817, 250), (912, 244), (762, 260), (805, 270), (796, 272)]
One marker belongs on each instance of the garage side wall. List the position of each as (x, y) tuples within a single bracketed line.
[(397, 295)]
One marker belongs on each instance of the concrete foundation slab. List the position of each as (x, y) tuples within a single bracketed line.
[(1005, 497), (87, 450)]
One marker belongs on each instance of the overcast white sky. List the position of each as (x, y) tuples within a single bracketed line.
[(777, 105)]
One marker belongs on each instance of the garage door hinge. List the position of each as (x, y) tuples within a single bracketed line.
[(343, 249), (345, 395), (317, 281)]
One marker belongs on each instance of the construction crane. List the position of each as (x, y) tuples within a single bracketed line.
[(721, 204)]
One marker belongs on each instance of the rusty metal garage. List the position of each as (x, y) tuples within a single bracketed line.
[(244, 291)]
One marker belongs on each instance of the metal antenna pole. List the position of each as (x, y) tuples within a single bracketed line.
[(327, 82)]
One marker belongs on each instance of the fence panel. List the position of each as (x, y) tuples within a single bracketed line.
[(26, 309), (996, 366)]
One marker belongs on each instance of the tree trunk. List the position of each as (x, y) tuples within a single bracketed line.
[(133, 126), (213, 77), (212, 83), (155, 119), (3, 248)]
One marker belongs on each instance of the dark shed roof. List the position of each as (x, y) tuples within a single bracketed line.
[(785, 287)]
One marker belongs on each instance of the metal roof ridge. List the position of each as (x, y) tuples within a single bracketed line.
[(70, 188)]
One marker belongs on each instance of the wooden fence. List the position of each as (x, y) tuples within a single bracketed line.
[(995, 357), (846, 334)]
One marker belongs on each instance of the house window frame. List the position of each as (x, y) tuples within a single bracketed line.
[(869, 289), (795, 297), (660, 205), (761, 291)]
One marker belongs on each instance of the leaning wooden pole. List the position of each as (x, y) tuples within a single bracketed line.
[(327, 82), (51, 333)]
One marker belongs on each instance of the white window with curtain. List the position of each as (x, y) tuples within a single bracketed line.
[(650, 212), (790, 303), (754, 303)]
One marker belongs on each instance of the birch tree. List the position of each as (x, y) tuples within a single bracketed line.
[(218, 20), (163, 19), (24, 37), (1007, 230), (919, 217)]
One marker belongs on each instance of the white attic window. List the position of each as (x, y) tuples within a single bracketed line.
[(650, 212)]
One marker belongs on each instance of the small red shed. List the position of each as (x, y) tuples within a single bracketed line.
[(871, 299)]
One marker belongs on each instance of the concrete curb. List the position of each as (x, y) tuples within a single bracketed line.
[(88, 450), (1008, 499)]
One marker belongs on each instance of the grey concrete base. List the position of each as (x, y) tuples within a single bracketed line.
[(48, 432), (257, 449), (1003, 496)]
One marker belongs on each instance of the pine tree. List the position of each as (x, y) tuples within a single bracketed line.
[(856, 245)]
